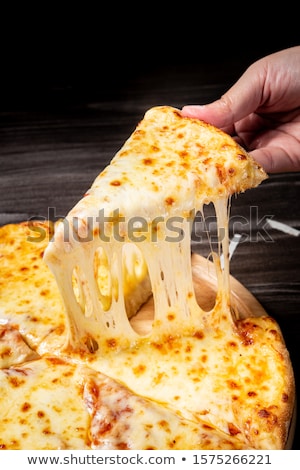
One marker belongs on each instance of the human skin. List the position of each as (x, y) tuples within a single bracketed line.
[(262, 111)]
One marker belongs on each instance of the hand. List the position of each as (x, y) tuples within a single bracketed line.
[(262, 111)]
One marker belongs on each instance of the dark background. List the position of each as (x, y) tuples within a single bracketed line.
[(75, 82), (86, 50)]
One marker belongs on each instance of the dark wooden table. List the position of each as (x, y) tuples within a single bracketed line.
[(55, 140)]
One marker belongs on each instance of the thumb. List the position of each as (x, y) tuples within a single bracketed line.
[(218, 113), (242, 99)]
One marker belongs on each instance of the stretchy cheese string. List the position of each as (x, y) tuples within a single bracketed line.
[(168, 261), (162, 176)]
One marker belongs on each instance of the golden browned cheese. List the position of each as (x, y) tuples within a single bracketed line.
[(225, 386), (164, 173), (76, 372), (29, 297)]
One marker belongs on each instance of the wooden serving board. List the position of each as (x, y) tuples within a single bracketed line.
[(205, 285)]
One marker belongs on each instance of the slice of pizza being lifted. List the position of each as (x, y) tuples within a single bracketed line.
[(139, 212), (190, 377)]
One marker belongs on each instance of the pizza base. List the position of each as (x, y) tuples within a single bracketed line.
[(53, 389)]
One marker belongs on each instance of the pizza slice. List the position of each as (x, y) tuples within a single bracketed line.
[(52, 402), (147, 198)]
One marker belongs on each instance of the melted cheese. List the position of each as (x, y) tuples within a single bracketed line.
[(121, 419), (39, 412), (13, 350), (147, 196), (219, 373), (29, 297), (77, 371)]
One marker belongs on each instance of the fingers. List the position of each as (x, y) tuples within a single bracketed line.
[(275, 160)]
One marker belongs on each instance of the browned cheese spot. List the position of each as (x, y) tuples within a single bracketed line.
[(233, 430), (171, 316), (170, 201), (148, 161), (139, 370), (112, 343), (26, 406), (198, 334), (16, 381), (232, 384)]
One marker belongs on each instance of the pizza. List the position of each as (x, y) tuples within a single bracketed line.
[(105, 342)]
